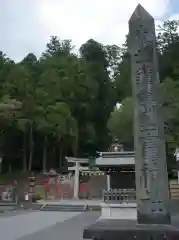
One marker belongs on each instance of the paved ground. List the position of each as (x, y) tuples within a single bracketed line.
[(37, 225), (72, 202), (46, 225), (14, 213)]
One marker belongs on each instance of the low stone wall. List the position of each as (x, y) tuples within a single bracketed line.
[(118, 211), (174, 189)]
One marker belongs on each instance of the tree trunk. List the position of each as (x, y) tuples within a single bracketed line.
[(75, 145), (10, 167), (24, 153), (44, 164), (31, 148), (53, 160), (60, 155)]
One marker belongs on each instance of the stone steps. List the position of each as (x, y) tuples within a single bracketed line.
[(6, 206), (63, 208), (69, 208), (8, 203)]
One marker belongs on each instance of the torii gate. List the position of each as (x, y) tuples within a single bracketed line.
[(77, 168)]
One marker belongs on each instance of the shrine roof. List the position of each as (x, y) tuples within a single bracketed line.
[(74, 159), (123, 154), (120, 160)]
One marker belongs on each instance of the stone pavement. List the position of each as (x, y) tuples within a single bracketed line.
[(72, 202), (46, 225)]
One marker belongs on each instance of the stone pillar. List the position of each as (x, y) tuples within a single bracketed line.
[(150, 156), (76, 180), (32, 185), (177, 160), (151, 172), (108, 179)]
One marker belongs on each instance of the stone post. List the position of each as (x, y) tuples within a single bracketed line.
[(108, 179), (32, 187), (150, 156), (76, 180)]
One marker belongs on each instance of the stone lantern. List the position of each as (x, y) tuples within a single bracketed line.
[(116, 146), (32, 187)]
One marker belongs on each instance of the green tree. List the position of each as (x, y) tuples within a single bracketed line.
[(168, 43), (10, 111), (96, 65), (120, 123)]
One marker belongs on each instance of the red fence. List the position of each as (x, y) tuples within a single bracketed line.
[(58, 190)]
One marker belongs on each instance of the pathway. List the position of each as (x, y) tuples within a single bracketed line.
[(46, 225), (72, 202)]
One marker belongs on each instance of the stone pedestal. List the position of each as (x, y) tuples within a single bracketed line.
[(117, 229), (118, 211), (154, 219)]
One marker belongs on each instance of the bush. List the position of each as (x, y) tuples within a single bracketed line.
[(38, 197)]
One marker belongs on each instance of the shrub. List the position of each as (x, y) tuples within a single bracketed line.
[(38, 197)]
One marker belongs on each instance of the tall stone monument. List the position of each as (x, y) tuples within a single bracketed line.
[(150, 159), (153, 221)]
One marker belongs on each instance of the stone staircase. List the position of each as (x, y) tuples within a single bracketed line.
[(63, 208), (69, 208), (6, 206), (174, 190), (7, 203)]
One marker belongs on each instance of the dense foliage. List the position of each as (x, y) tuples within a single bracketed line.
[(63, 104), (55, 106), (121, 120)]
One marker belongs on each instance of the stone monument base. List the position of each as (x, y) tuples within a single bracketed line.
[(159, 218), (118, 210), (117, 229)]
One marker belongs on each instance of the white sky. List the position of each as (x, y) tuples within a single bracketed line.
[(26, 25), (118, 105)]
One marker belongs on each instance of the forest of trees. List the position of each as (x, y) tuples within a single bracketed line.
[(120, 122), (63, 104)]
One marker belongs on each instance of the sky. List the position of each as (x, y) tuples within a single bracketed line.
[(26, 25)]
